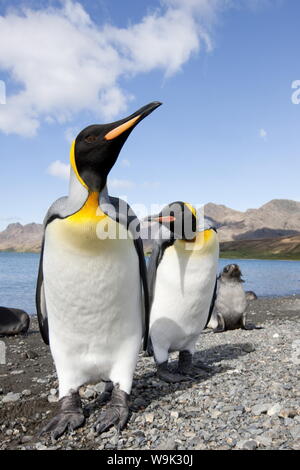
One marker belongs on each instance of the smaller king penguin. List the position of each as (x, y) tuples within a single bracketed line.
[(92, 293), (182, 274)]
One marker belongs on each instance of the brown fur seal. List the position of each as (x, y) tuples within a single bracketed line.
[(230, 306), (250, 295), (13, 321)]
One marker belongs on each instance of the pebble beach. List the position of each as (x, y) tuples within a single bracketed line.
[(246, 398)]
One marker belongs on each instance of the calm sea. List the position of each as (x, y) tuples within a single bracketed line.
[(18, 273)]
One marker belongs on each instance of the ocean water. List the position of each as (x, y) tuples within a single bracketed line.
[(18, 274)]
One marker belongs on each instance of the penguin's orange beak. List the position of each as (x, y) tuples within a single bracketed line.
[(122, 128), (131, 121)]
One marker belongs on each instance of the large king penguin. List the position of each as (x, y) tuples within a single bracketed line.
[(92, 295), (182, 274)]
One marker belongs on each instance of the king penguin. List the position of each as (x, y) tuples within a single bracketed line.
[(92, 293), (182, 273)]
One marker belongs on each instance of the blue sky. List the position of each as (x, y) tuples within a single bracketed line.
[(227, 132)]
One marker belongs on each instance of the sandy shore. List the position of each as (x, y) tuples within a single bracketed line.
[(248, 398)]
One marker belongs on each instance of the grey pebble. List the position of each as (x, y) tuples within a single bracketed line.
[(11, 397)]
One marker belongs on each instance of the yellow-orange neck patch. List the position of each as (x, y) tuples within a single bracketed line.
[(90, 212)]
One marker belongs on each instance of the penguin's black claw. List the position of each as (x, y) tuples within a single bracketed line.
[(171, 377), (114, 416), (116, 413), (70, 417), (63, 422)]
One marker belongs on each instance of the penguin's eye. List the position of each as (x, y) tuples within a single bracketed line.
[(90, 139)]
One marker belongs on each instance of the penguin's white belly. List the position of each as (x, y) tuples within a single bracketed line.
[(183, 293), (93, 298)]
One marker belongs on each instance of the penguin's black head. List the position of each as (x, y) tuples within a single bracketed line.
[(179, 218), (96, 148)]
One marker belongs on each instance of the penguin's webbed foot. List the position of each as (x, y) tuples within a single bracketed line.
[(186, 366), (69, 418), (185, 363), (165, 374), (116, 413)]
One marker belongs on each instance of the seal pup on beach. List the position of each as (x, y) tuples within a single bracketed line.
[(92, 293), (230, 305), (13, 321), (250, 295), (182, 273)]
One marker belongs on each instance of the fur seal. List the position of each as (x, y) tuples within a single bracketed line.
[(13, 321), (250, 295), (230, 306)]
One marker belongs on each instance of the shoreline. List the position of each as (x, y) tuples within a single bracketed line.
[(223, 255), (257, 365)]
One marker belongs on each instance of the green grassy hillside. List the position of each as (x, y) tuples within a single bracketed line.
[(275, 248)]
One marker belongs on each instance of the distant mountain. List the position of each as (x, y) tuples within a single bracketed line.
[(18, 237), (279, 218)]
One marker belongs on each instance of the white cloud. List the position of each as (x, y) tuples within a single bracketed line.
[(63, 63), (59, 169), (263, 133)]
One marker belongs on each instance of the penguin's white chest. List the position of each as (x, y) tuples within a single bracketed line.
[(183, 292), (93, 298)]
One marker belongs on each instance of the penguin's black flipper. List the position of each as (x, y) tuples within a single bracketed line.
[(159, 247), (143, 273), (213, 301), (152, 268), (41, 302)]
